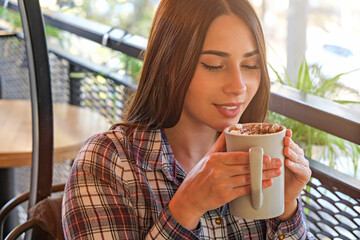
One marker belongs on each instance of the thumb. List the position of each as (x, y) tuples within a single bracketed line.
[(288, 133), (219, 145)]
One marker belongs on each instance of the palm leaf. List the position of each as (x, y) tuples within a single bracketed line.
[(346, 101), (279, 78), (307, 136), (289, 83), (330, 83), (304, 82)]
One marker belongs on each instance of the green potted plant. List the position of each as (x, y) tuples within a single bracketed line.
[(318, 145)]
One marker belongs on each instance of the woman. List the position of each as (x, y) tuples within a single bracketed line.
[(163, 173)]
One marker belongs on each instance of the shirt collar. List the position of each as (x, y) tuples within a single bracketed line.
[(152, 152)]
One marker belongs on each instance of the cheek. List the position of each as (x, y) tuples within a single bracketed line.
[(202, 85), (196, 81), (196, 91), (253, 85)]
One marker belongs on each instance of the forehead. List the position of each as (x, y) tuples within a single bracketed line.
[(229, 33)]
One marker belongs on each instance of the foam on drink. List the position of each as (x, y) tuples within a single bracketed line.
[(255, 129)]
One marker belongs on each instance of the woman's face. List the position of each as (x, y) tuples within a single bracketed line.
[(226, 78)]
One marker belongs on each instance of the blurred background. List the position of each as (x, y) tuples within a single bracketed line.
[(95, 51), (327, 32)]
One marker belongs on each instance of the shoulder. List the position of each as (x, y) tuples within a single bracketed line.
[(103, 161), (117, 139), (125, 143)]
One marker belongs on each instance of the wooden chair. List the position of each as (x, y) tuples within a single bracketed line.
[(46, 215)]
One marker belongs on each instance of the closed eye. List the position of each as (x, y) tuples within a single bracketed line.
[(211, 67), (250, 67)]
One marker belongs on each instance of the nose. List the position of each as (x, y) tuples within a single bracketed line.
[(235, 84)]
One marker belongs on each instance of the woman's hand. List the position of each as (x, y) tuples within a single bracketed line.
[(297, 174), (215, 180)]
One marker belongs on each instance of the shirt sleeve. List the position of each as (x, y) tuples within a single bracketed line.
[(168, 228), (97, 202), (292, 229)]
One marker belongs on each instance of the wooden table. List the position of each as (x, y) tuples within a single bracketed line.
[(72, 126)]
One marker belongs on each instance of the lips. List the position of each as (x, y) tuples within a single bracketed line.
[(229, 110)]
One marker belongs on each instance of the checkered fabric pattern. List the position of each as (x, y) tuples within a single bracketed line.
[(120, 186)]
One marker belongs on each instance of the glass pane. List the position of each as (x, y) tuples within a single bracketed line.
[(133, 15)]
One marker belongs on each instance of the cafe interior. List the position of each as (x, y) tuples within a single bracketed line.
[(52, 101)]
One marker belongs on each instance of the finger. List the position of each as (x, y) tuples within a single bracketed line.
[(288, 133), (239, 180), (236, 170), (231, 158), (238, 158), (242, 190), (266, 160), (267, 183), (301, 171), (294, 157), (219, 145), (290, 154), (241, 169), (272, 173), (288, 142), (273, 163), (244, 179)]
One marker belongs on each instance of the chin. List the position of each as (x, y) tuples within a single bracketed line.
[(223, 123), (222, 127)]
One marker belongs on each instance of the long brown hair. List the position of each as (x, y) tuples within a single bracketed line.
[(174, 46)]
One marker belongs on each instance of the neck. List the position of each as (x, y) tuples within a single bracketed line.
[(190, 144)]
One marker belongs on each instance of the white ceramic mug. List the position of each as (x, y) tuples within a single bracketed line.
[(260, 203)]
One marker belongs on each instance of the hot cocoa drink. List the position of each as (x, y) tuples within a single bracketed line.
[(255, 129), (258, 139)]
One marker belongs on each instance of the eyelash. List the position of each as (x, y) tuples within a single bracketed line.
[(217, 68), (251, 67), (212, 68)]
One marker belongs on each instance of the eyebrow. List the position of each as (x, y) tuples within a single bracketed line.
[(225, 54)]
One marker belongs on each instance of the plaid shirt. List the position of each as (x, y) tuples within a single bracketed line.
[(120, 186)]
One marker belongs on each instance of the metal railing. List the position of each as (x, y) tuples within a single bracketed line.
[(113, 38), (332, 199)]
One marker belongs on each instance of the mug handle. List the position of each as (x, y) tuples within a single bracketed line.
[(256, 169)]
